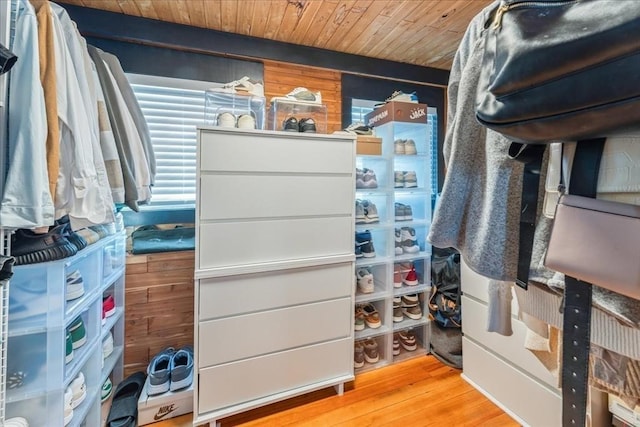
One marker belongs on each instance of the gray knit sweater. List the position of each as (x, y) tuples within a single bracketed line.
[(478, 210)]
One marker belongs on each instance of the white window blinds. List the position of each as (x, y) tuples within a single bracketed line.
[(173, 108)]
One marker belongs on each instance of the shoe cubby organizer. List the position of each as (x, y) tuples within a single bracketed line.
[(43, 312), (401, 267)]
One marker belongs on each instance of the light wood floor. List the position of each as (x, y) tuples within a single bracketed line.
[(420, 392)]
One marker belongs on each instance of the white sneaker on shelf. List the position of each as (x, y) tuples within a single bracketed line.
[(243, 86), (226, 120), (79, 390), (68, 408), (365, 281), (246, 121)]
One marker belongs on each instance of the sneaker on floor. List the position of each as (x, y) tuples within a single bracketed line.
[(79, 390), (358, 355), (68, 348), (371, 351), (181, 368), (107, 346), (226, 120), (74, 285), (410, 147), (28, 247), (107, 389), (246, 121), (410, 180), (365, 281), (307, 125), (159, 371), (78, 333), (68, 409), (291, 125)]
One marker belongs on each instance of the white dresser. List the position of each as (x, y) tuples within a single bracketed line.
[(274, 267), (500, 366)]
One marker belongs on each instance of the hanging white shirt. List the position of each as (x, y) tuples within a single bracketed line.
[(79, 193), (26, 200)]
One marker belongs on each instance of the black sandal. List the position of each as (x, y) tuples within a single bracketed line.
[(124, 407)]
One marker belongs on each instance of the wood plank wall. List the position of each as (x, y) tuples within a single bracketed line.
[(158, 306), (159, 302), (280, 78)]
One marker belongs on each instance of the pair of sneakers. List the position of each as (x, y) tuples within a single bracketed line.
[(366, 178), (229, 120), (170, 370), (405, 146), (366, 212), (243, 86), (305, 125), (365, 351), (405, 179)]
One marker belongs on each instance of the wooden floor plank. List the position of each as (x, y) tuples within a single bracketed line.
[(418, 392)]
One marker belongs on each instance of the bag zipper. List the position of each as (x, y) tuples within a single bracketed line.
[(505, 7)]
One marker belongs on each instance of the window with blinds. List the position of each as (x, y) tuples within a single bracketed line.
[(173, 108)]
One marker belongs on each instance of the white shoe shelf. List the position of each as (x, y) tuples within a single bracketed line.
[(39, 316), (384, 262), (274, 268)]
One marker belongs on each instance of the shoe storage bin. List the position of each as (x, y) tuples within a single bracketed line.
[(380, 239), (216, 103), (385, 318), (39, 316), (380, 201), (380, 290), (421, 239), (282, 109), (384, 355), (378, 167), (420, 207)]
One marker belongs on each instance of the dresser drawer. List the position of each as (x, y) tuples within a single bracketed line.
[(240, 243), (235, 151), (510, 348), (239, 382), (272, 196), (514, 391), (246, 293), (239, 337)]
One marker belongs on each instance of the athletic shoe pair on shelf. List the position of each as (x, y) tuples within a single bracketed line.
[(399, 96), (406, 339), (365, 280), (405, 274), (243, 121), (406, 305), (365, 351), (405, 146), (405, 179), (366, 212), (364, 245), (366, 178), (292, 124), (406, 241)]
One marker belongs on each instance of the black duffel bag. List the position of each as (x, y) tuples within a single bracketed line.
[(561, 70)]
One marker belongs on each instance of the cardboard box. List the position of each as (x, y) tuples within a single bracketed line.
[(152, 409), (393, 111), (619, 409), (369, 145)]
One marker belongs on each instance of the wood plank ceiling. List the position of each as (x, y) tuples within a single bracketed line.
[(421, 32)]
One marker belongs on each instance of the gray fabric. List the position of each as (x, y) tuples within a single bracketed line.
[(499, 310), (478, 210), (134, 108), (115, 117)]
